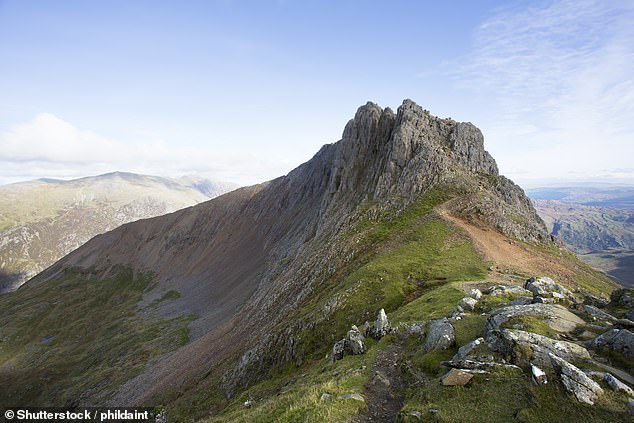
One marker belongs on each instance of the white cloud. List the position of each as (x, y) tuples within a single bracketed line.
[(48, 146), (558, 80)]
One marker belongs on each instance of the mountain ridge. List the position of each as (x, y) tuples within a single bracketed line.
[(42, 220), (265, 279)]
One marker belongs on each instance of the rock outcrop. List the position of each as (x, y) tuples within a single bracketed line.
[(577, 382), (526, 347), (381, 325), (439, 335), (618, 340)]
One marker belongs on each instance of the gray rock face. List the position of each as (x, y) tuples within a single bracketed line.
[(355, 342), (527, 347), (617, 385), (465, 350), (598, 313), (440, 335), (467, 144), (338, 349), (381, 325), (630, 407), (577, 382), (556, 316), (468, 303), (619, 340)]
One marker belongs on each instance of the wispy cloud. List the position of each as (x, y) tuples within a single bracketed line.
[(49, 146), (560, 78)]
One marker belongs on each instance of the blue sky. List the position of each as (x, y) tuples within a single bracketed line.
[(245, 91)]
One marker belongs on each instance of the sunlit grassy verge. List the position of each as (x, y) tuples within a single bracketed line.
[(64, 340)]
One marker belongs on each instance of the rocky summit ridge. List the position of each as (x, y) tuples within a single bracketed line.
[(394, 217)]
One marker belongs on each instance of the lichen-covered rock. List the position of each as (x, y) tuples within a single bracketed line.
[(598, 313), (475, 293), (465, 350), (619, 340), (526, 347), (355, 342), (557, 317), (506, 289), (468, 303), (381, 325), (338, 349), (576, 382), (617, 385), (545, 287), (440, 335)]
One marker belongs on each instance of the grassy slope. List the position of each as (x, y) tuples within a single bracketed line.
[(414, 269), (66, 339)]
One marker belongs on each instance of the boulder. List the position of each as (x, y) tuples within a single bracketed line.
[(440, 335), (630, 407), (355, 342), (381, 325), (456, 377), (617, 385), (629, 315), (526, 347), (468, 303), (618, 340), (598, 313), (475, 293), (465, 350), (576, 382), (557, 317), (545, 287), (522, 301), (337, 350), (505, 289)]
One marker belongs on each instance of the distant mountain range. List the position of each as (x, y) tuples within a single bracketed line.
[(43, 220), (596, 223)]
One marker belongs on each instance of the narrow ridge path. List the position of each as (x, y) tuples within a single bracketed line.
[(383, 391)]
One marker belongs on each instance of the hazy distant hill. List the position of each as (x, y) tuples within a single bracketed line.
[(596, 223), (43, 220)]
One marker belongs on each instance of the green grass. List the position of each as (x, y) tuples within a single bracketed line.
[(528, 323), (289, 396), (78, 336), (503, 397), (169, 295)]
